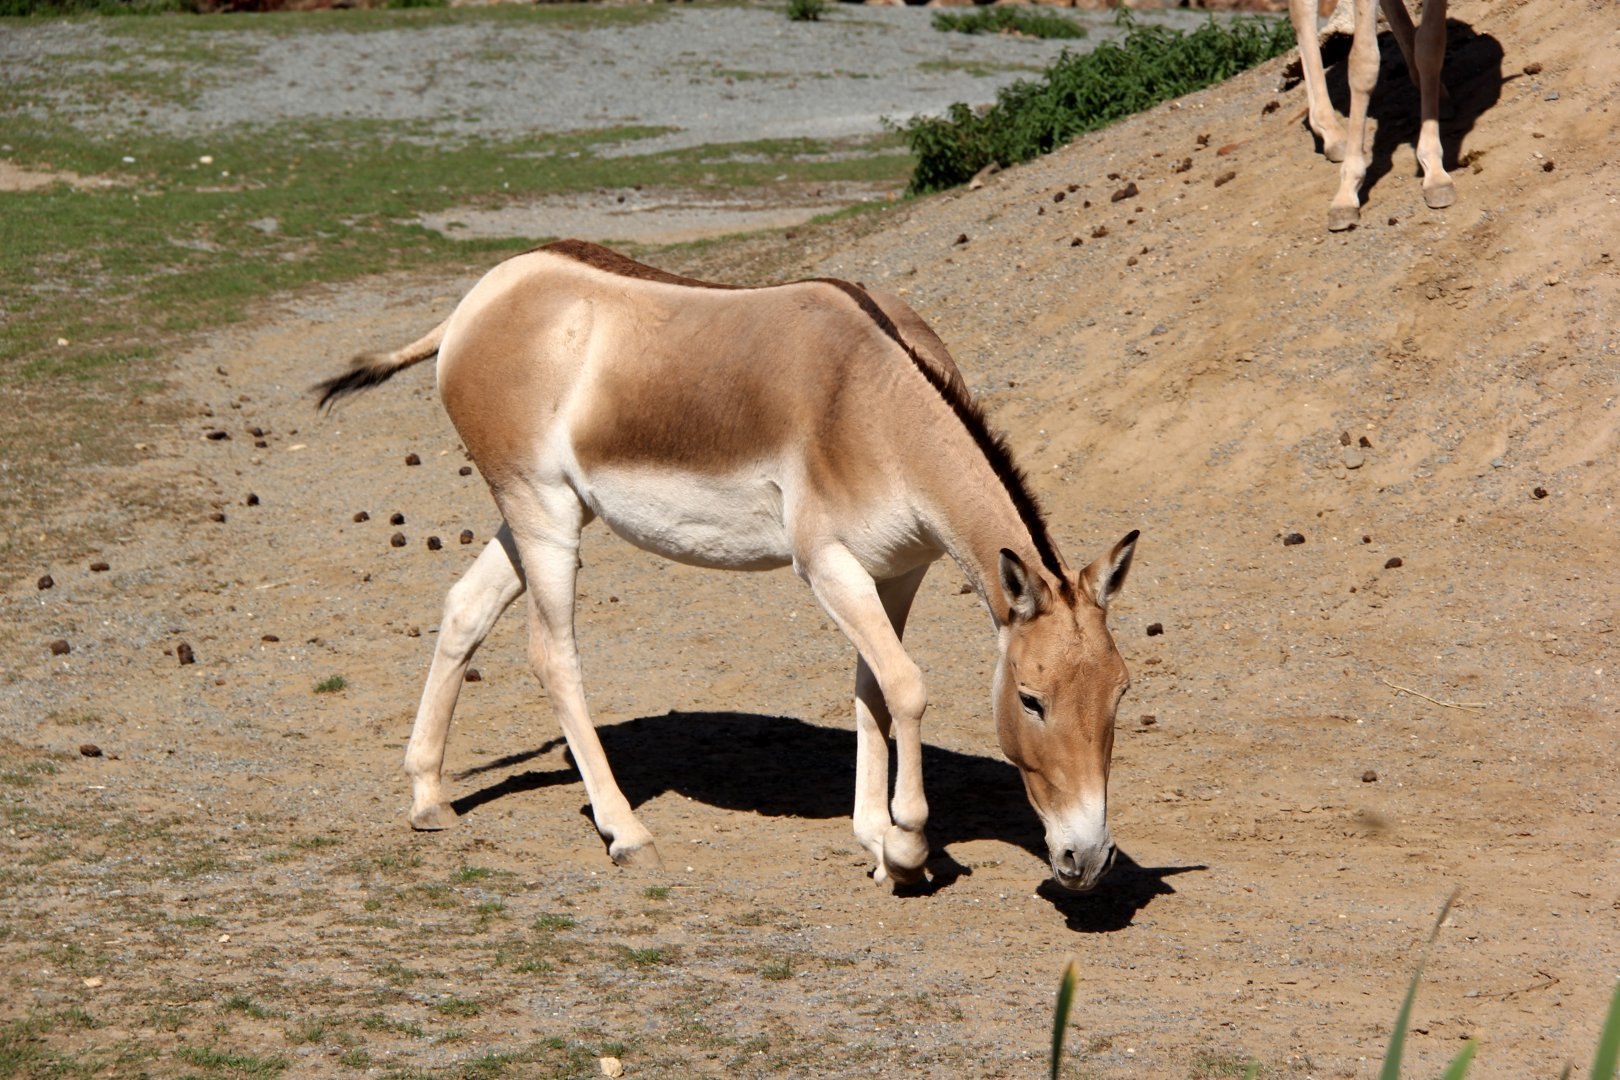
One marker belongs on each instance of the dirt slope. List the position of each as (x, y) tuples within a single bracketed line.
[(240, 879)]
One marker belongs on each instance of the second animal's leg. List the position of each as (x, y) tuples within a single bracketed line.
[(1430, 53), (470, 610), (546, 524), (872, 726), (1345, 210), (1400, 24), (848, 594), (1321, 117)]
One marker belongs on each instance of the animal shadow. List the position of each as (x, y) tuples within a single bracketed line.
[(784, 767), (1472, 75)]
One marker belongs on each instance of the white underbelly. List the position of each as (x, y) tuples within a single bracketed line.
[(727, 522)]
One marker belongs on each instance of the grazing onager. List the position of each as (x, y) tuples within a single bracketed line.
[(814, 424), (1424, 49)]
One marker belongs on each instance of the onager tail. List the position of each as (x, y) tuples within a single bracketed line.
[(369, 369)]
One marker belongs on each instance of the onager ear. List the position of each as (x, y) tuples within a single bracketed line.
[(1103, 578), (1027, 595)]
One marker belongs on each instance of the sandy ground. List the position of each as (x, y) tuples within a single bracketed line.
[(1321, 745)]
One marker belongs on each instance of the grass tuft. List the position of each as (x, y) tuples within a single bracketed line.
[(1019, 21), (331, 685)]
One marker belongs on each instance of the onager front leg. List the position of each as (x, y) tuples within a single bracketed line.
[(854, 601), (1345, 210), (470, 610), (873, 722), (1319, 109)]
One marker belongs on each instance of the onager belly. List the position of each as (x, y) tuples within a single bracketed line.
[(726, 522)]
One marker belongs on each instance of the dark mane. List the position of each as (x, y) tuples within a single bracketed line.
[(993, 446)]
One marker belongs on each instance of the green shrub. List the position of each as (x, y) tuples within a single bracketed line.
[(1080, 93), (1009, 20), (806, 10)]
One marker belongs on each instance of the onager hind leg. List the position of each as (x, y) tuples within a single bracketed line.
[(546, 524), (867, 618), (470, 610), (872, 725)]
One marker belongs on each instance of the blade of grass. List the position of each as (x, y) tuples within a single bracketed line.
[(1060, 1015), (1608, 1050), (1397, 1038), (1459, 1064)]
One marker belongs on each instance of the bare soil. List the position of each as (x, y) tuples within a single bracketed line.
[(1324, 739)]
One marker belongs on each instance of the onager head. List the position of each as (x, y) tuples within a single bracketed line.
[(1059, 680)]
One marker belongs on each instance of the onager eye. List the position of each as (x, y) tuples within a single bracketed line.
[(1032, 705)]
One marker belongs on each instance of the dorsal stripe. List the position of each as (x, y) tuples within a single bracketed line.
[(992, 445)]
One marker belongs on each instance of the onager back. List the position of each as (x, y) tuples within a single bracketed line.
[(815, 425)]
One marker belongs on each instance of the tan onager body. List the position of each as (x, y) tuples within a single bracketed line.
[(813, 424), (1424, 48)]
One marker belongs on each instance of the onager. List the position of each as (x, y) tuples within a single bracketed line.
[(1424, 49), (813, 424)]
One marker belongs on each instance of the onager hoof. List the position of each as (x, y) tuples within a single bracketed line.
[(434, 817), (1341, 218), (904, 854), (642, 856), (1441, 195)]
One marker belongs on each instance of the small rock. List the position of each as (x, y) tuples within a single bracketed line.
[(270, 639), (218, 436), (465, 470), (1369, 777), (1366, 538), (434, 543), (1533, 68), (1059, 196), (1293, 538), (1225, 178), (1099, 232), (183, 652), (1184, 165), (396, 518), (1394, 563), (45, 582), (1498, 463), (89, 749), (1540, 493), (1129, 191), (99, 568), (1344, 438), (962, 239), (217, 515), (1155, 629), (1148, 719), (260, 444), (362, 516), (1547, 166), (473, 675), (1076, 242), (466, 536), (252, 499), (397, 540), (1552, 95), (412, 459), (1393, 220), (415, 631), (60, 647), (256, 431), (610, 1066), (1353, 458), (1364, 442)]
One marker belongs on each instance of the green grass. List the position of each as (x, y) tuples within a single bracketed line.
[(222, 1062), (552, 922), (1080, 93), (999, 19), (331, 685)]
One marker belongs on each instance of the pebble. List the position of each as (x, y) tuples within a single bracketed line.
[(89, 749), (60, 647), (218, 436), (1155, 629), (1225, 178), (184, 653), (256, 432), (218, 515), (1354, 458), (1540, 493), (1369, 777), (412, 459), (99, 568), (466, 536), (270, 639), (1293, 538), (1148, 719), (396, 518), (252, 499), (1129, 191), (362, 516), (465, 470), (1394, 563), (397, 540), (46, 581), (434, 543), (473, 675)]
